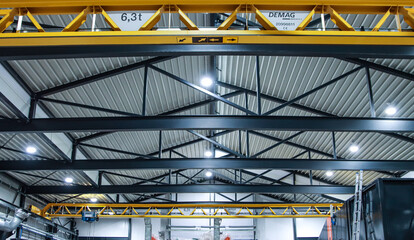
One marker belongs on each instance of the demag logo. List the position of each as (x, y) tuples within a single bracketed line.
[(281, 14)]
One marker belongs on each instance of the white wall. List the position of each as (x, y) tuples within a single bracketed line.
[(309, 227), (267, 228), (274, 228), (103, 228), (117, 227), (282, 228)]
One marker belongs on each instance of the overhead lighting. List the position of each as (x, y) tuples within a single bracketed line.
[(209, 174), (94, 199), (208, 153), (69, 180), (31, 149), (219, 154), (390, 110), (111, 213), (353, 148), (206, 82), (329, 173)]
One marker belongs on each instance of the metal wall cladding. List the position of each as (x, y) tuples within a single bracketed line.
[(398, 209), (388, 210), (388, 213)]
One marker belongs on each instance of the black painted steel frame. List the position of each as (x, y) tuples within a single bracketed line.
[(256, 119)]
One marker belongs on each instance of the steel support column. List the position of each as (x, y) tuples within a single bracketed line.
[(370, 94), (258, 91), (217, 223), (148, 228)]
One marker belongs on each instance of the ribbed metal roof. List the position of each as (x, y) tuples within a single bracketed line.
[(281, 77), (20, 142)]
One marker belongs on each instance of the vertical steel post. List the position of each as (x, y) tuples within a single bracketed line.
[(310, 171), (241, 176), (148, 228), (370, 94), (294, 219), (32, 109), (294, 183), (144, 96), (170, 174), (100, 175), (259, 102), (334, 145), (22, 204), (129, 229), (74, 150), (235, 180), (176, 182), (160, 145), (240, 142), (217, 223), (246, 96), (214, 76)]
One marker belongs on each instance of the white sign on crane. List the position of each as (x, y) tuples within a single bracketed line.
[(131, 21), (285, 20)]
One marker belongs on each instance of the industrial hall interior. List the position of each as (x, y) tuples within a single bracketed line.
[(206, 120)]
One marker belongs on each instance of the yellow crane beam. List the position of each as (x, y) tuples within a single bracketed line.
[(205, 37), (73, 35), (239, 210), (216, 3)]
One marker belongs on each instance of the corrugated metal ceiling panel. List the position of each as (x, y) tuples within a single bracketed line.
[(282, 77)]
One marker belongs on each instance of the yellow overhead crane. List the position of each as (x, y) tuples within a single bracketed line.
[(193, 35), (238, 210)]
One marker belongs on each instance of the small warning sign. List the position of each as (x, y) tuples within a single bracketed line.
[(230, 39), (184, 40), (207, 40)]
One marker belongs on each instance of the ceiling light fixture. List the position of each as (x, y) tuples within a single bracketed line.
[(209, 174), (69, 180), (208, 153), (329, 173), (94, 199), (31, 149), (353, 148), (390, 110), (206, 81)]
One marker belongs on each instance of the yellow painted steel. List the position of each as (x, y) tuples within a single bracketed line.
[(153, 20), (338, 20), (174, 37), (229, 21), (408, 16), (34, 21), (186, 20), (72, 36), (216, 3), (382, 20), (109, 20), (239, 210), (263, 20), (8, 19), (78, 21), (306, 21)]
